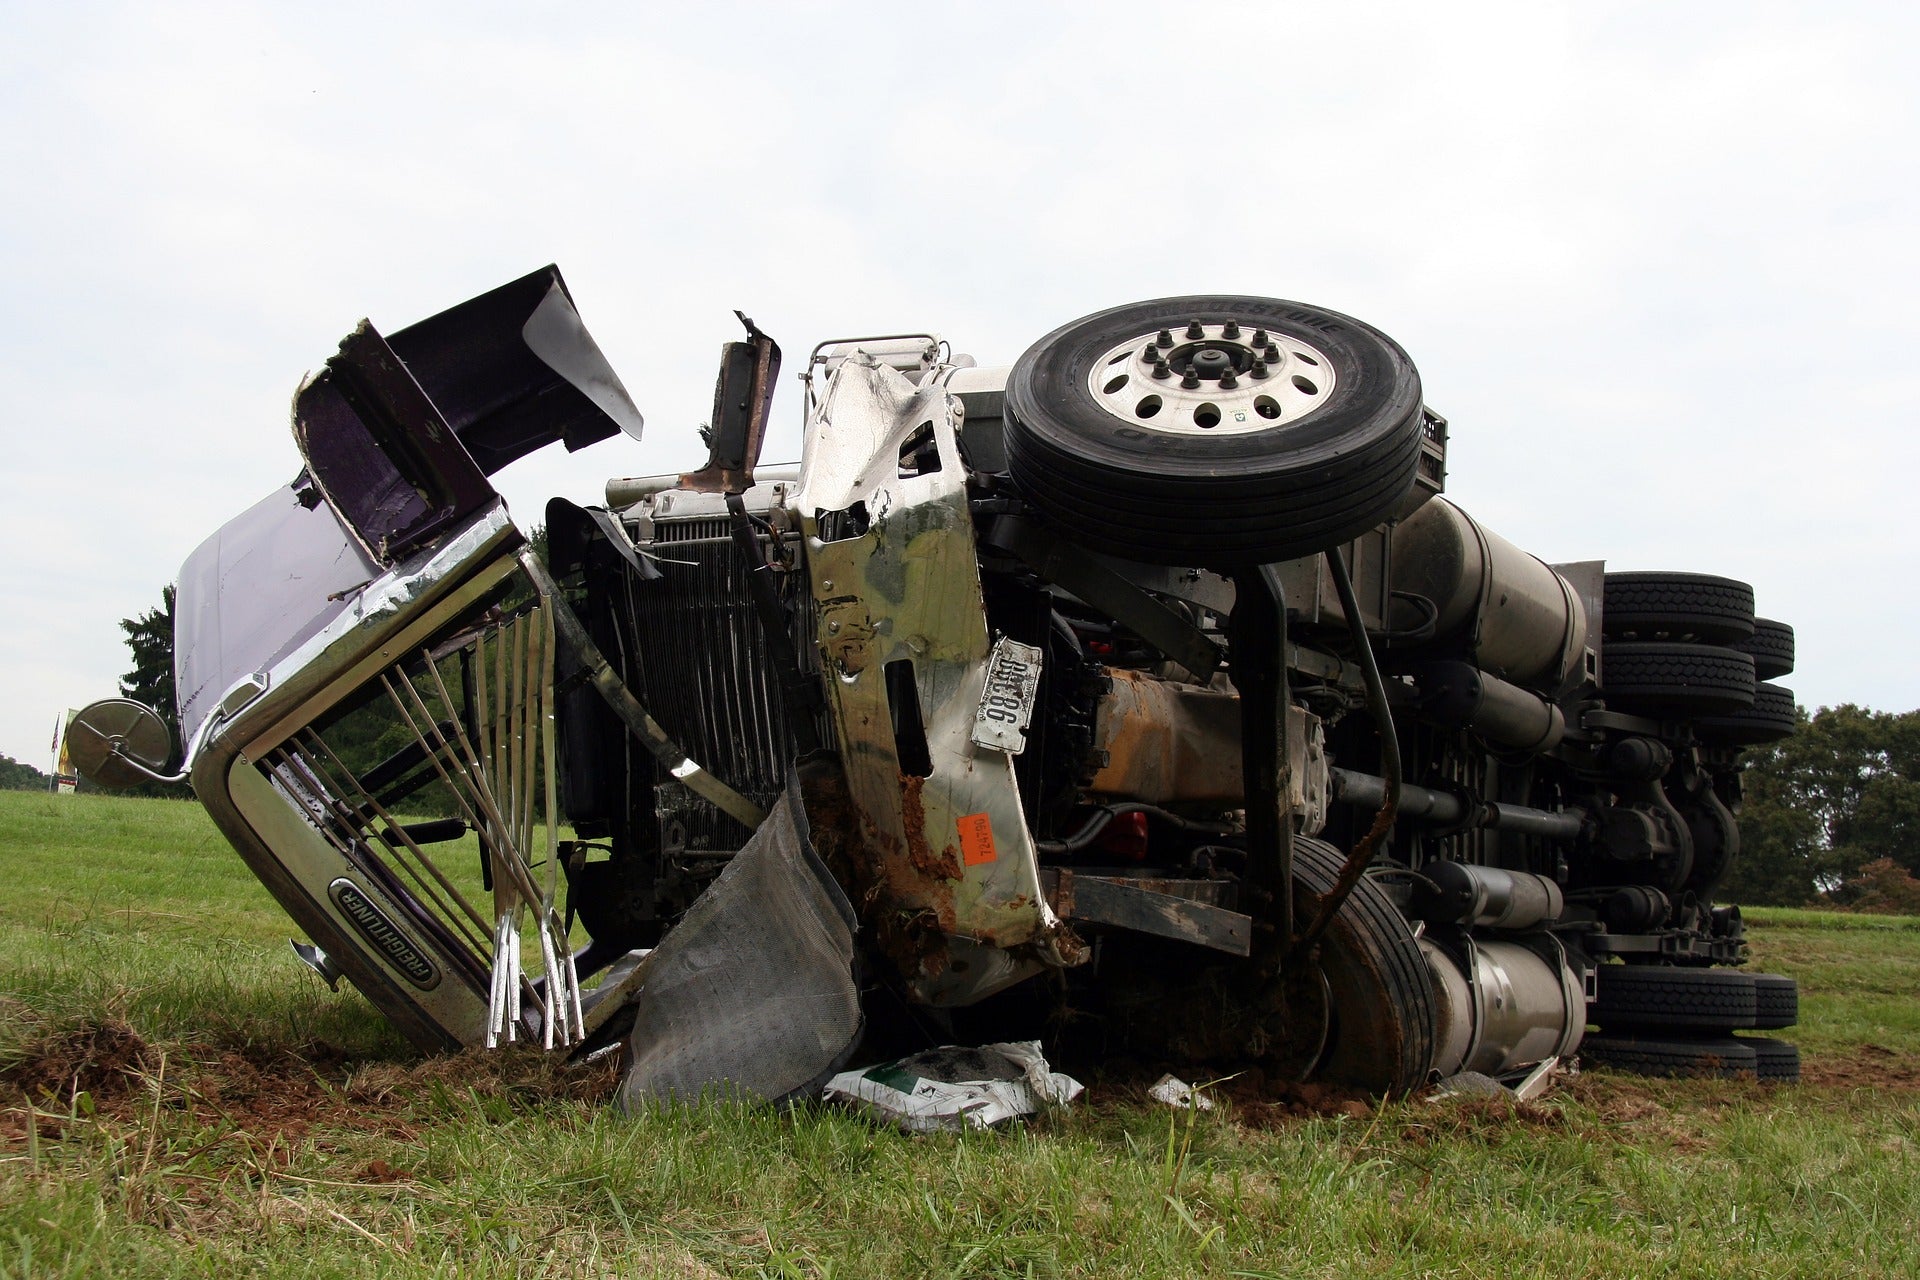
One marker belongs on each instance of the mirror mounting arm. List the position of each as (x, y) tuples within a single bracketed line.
[(742, 405)]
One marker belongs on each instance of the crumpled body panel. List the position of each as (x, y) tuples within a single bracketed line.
[(949, 861)]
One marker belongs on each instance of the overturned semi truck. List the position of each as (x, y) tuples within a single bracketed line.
[(1151, 679)]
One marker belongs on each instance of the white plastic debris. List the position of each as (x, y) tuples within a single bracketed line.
[(1519, 1086), (954, 1087), (1175, 1092)]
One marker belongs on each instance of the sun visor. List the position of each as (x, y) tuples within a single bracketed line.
[(514, 370)]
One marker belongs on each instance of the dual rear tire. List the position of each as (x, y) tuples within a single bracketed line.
[(1659, 1020)]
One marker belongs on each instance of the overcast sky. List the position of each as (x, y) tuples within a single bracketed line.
[(1656, 263)]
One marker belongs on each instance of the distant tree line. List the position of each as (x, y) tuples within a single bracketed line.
[(1832, 814), (18, 776)]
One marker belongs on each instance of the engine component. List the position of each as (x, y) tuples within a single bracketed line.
[(1455, 693), (1162, 742), (1635, 908), (1501, 1005), (1517, 617), (1442, 808), (1460, 893)]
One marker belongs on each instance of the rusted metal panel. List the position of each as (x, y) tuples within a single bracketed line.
[(1167, 742), (1184, 910), (893, 567)]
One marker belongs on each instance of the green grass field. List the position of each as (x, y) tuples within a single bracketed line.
[(178, 1096)]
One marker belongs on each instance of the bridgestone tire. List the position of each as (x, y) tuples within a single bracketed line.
[(1692, 607), (1678, 680), (1775, 1061), (1776, 1001), (1771, 645), (1722, 1057), (1188, 497), (1384, 1017), (1769, 719), (1635, 997)]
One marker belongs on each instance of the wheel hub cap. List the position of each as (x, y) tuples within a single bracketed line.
[(1213, 379)]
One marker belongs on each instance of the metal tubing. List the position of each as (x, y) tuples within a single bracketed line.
[(1444, 809), (1461, 694), (1389, 757)]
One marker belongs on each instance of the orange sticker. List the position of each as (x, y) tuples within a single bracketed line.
[(976, 839)]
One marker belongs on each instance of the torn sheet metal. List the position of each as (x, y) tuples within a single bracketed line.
[(957, 1088), (892, 562), (751, 994)]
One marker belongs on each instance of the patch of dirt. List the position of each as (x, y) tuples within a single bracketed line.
[(104, 1058), (272, 1094), (1870, 1066)]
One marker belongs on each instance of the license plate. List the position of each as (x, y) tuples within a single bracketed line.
[(1006, 700)]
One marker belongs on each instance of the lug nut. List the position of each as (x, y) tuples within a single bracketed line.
[(1259, 369), (1165, 339), (1195, 331), (1273, 353), (1191, 381), (1161, 369), (1232, 330), (1150, 353), (1227, 381), (1259, 337)]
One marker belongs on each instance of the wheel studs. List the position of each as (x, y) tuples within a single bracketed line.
[(1195, 331)]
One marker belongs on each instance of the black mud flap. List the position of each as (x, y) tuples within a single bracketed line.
[(752, 993)]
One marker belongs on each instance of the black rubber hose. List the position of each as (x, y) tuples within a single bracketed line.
[(1362, 853)]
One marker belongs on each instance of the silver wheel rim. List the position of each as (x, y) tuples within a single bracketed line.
[(1221, 379)]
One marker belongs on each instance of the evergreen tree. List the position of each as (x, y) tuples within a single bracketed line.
[(150, 637)]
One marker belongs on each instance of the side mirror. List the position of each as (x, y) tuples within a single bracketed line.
[(119, 743), (742, 404)]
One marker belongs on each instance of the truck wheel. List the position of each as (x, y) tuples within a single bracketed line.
[(1723, 1057), (1694, 607), (1771, 645), (1214, 430), (1769, 719), (1381, 1017), (1776, 1001), (1774, 1061), (1658, 678), (1657, 996)]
